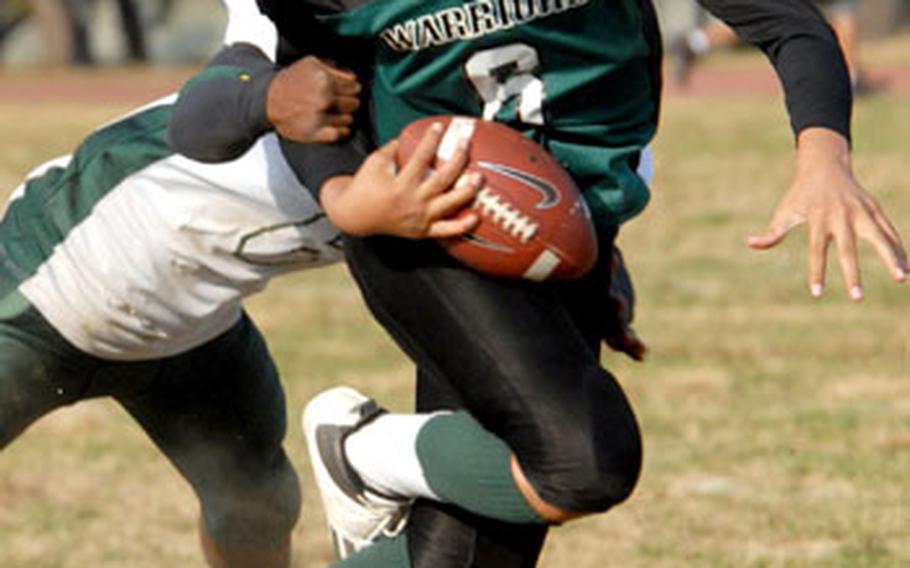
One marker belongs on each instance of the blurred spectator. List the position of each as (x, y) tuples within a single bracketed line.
[(12, 13), (80, 15), (53, 18), (712, 35), (844, 18), (66, 25)]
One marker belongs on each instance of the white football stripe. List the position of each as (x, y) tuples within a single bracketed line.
[(460, 128), (543, 267)]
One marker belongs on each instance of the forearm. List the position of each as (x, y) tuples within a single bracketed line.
[(805, 54), (316, 164)]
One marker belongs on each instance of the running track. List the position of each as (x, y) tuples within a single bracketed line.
[(134, 86)]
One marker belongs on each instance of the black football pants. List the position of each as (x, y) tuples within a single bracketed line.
[(216, 411), (523, 358)]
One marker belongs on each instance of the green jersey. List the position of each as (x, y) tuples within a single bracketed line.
[(576, 75)]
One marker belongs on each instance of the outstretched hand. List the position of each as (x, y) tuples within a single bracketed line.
[(415, 202), (827, 198), (312, 101)]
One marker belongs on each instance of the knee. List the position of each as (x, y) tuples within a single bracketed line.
[(589, 474), (253, 511), (601, 484), (595, 483)]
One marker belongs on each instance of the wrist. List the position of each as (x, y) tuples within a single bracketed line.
[(333, 197), (273, 103), (257, 102), (818, 146)]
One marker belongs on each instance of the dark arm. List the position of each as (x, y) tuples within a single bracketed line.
[(222, 111), (241, 95), (805, 53)]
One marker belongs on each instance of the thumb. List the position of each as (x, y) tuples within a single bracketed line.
[(769, 239), (776, 232)]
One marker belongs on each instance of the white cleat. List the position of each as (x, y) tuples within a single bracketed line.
[(357, 515)]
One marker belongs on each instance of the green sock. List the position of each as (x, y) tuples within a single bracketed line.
[(384, 553), (468, 466)]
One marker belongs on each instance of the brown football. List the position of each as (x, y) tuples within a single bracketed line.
[(534, 222)]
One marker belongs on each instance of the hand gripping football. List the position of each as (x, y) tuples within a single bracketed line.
[(534, 222)]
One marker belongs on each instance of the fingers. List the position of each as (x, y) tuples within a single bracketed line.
[(338, 112), (883, 222), (459, 197), (846, 252), (890, 254), (845, 234), (327, 76), (866, 221), (389, 150), (331, 128), (818, 255), (385, 158), (344, 82), (417, 167), (447, 228), (448, 173), (442, 211), (329, 134), (886, 240), (346, 105), (339, 90), (334, 121)]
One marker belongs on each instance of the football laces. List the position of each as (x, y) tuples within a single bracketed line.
[(505, 215)]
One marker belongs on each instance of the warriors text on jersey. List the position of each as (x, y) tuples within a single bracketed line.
[(132, 252), (469, 21)]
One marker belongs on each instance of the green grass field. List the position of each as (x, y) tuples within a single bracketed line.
[(777, 428)]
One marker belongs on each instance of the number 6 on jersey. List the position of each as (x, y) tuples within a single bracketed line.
[(503, 73)]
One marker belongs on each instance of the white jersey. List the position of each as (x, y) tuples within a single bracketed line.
[(132, 252), (245, 23)]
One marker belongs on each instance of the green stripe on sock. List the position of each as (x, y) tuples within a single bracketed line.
[(469, 467), (385, 553)]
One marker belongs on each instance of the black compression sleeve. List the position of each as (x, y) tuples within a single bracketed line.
[(314, 164), (221, 111), (805, 53)]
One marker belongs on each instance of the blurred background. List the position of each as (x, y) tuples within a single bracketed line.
[(105, 32), (776, 427), (878, 17)]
